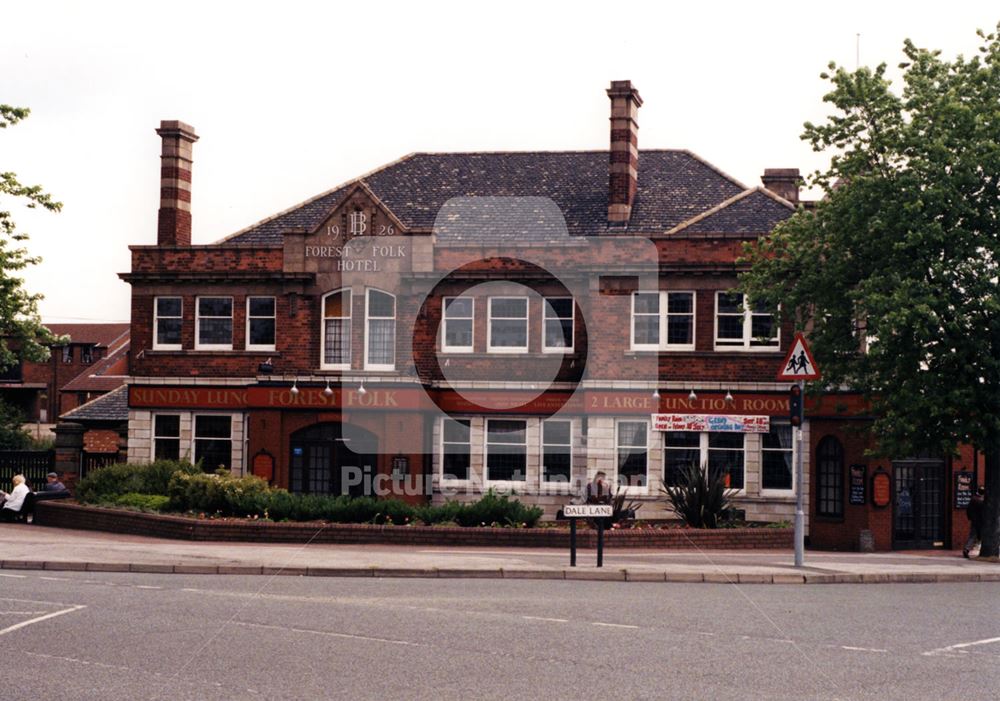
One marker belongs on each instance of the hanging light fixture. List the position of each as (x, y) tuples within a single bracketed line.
[(328, 391), (295, 387), (361, 388), (656, 393), (729, 396), (692, 396)]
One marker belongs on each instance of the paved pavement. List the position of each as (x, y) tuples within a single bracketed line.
[(37, 547)]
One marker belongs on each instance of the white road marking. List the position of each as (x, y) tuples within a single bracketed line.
[(863, 649), (15, 576), (21, 613), (327, 633), (542, 618), (146, 586), (960, 647), (613, 625), (39, 619), (54, 579)]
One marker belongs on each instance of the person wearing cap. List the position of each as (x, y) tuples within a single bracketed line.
[(53, 484), (974, 511)]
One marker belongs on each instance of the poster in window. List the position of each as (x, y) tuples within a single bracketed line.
[(857, 486), (964, 482)]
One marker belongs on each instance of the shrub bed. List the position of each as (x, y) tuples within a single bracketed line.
[(184, 488)]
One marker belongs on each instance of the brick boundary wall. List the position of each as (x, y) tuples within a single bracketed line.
[(63, 515)]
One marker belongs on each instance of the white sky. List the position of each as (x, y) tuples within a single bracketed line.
[(292, 98)]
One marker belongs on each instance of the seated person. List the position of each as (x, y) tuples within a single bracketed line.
[(53, 484), (599, 491), (13, 502)]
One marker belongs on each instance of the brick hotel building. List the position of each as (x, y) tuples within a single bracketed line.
[(459, 321)]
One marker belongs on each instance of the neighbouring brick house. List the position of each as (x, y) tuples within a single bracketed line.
[(93, 362), (454, 322)]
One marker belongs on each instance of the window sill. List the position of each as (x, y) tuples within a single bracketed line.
[(206, 351), (745, 349), (718, 352), (465, 355)]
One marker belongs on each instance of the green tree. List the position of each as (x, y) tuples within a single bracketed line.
[(894, 272), (12, 434), (21, 332)]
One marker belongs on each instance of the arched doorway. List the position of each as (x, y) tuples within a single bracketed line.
[(333, 458)]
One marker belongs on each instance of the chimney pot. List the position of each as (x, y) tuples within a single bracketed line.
[(174, 221), (623, 161), (784, 182)]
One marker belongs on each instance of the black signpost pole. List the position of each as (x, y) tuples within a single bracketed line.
[(572, 542), (600, 542)]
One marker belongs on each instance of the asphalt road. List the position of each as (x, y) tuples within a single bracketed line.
[(129, 636)]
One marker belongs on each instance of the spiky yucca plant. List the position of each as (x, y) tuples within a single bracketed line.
[(700, 497)]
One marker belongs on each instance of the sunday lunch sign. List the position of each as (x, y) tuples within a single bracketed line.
[(711, 422)]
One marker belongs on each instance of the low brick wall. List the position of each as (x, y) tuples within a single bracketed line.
[(64, 515)]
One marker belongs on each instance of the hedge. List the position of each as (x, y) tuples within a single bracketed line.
[(182, 487)]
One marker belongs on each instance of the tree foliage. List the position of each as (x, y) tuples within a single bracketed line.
[(900, 256), (21, 332)]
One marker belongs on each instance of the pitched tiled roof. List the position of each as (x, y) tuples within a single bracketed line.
[(112, 406), (752, 212), (674, 186), (104, 335), (104, 375)]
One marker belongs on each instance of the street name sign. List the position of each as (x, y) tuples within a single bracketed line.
[(588, 511)]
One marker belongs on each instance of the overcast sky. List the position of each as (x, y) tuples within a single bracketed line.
[(291, 99)]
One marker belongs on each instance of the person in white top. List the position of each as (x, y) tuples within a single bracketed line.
[(13, 502)]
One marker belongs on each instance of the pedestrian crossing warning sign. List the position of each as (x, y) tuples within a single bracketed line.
[(799, 363)]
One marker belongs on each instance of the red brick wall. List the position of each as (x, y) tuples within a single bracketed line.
[(153, 259), (100, 441), (842, 534)]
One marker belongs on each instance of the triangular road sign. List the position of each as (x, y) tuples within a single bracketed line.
[(799, 363)]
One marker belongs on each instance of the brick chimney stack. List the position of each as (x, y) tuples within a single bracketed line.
[(174, 224), (623, 173), (784, 182)]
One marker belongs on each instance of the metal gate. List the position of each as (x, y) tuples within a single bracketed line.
[(33, 464), (918, 507)]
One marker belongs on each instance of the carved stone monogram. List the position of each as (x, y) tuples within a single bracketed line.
[(353, 236)]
